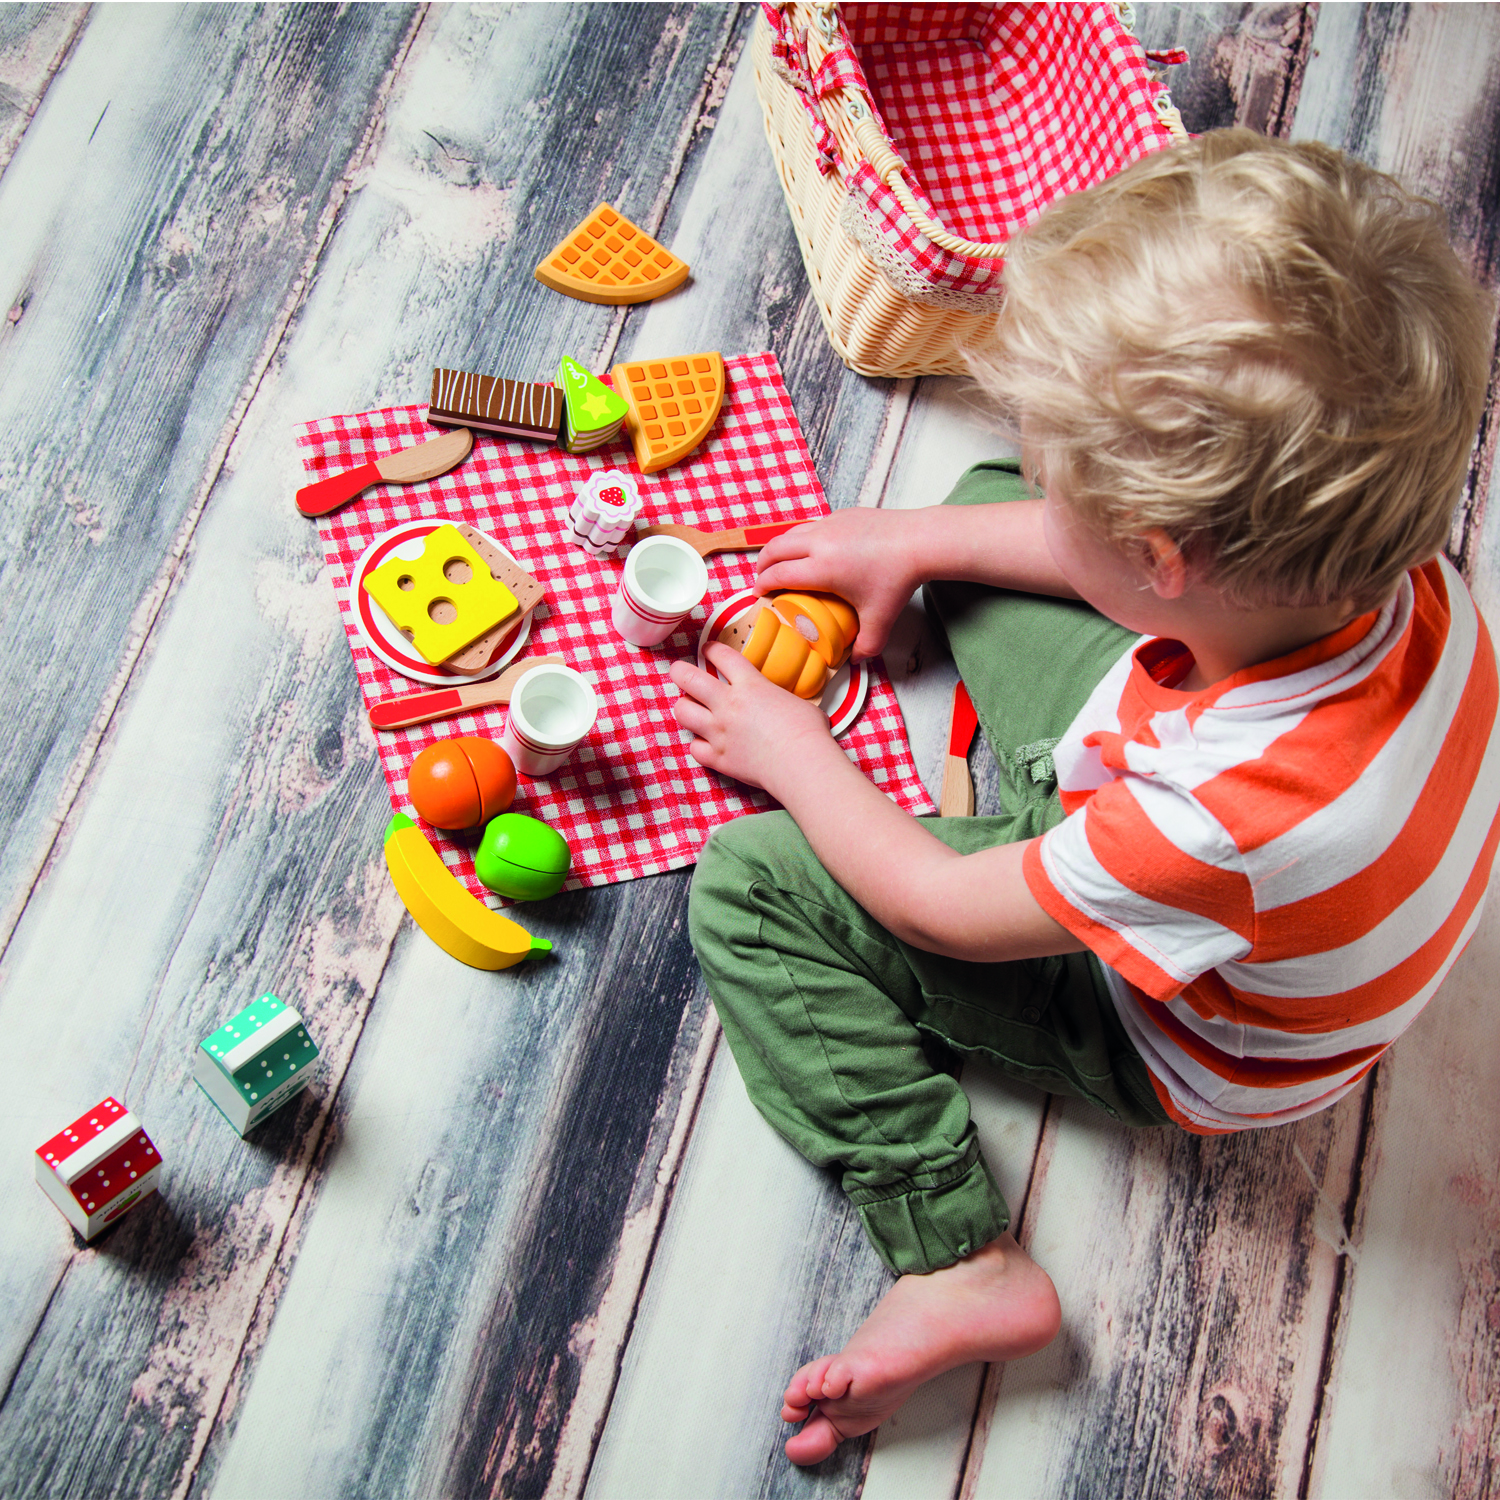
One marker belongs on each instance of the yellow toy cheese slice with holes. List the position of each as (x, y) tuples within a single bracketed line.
[(672, 404), (608, 259), (443, 600)]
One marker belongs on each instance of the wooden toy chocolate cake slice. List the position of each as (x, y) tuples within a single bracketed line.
[(608, 259), (512, 408), (672, 404)]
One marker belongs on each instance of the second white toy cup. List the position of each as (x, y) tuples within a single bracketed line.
[(551, 709), (664, 579)]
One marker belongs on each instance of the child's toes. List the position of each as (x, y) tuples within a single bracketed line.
[(837, 1378), (790, 1413), (807, 1384), (815, 1442)]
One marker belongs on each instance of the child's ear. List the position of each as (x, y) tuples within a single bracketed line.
[(1165, 564)]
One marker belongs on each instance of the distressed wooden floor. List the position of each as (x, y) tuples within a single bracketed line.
[(525, 1236)]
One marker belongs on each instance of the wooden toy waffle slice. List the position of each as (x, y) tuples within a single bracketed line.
[(673, 403), (608, 259)]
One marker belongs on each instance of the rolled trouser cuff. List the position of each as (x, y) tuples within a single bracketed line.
[(926, 1227)]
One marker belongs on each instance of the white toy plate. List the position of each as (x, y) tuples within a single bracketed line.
[(845, 694), (382, 637)]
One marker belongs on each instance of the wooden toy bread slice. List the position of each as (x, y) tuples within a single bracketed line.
[(529, 593), (608, 259), (672, 404)]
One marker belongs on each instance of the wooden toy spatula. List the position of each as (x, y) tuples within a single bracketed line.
[(423, 708), (425, 461), (739, 539), (957, 800)]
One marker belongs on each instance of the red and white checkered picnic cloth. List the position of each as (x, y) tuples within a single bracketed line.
[(997, 110), (632, 801)]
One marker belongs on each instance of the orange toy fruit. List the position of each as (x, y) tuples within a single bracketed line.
[(608, 259), (458, 784), (672, 404), (800, 640)]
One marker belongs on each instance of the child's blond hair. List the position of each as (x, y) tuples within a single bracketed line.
[(1266, 349)]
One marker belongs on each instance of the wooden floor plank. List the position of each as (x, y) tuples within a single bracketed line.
[(34, 42), (268, 870), (84, 581), (157, 223), (1416, 91)]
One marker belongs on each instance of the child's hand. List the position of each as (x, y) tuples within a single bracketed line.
[(865, 556), (744, 726)]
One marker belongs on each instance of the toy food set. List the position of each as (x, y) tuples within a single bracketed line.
[(456, 921), (99, 1167), (425, 461), (522, 858), (607, 259), (997, 110), (672, 404), (592, 413), (798, 640), (629, 800), (255, 1062), (462, 783), (603, 512)]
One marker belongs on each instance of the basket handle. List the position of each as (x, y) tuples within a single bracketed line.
[(853, 115), (890, 169)]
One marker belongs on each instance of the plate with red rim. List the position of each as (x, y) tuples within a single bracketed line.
[(382, 637), (845, 694)]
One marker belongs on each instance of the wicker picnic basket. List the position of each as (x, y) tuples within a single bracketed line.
[(996, 110)]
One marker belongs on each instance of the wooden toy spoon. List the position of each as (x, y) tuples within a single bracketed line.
[(739, 539), (444, 703), (425, 461)]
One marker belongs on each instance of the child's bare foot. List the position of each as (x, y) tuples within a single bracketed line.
[(996, 1305)]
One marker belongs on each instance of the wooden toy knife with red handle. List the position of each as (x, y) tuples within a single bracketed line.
[(425, 461), (444, 703), (957, 800), (737, 539)]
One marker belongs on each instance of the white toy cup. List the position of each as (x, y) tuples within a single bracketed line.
[(664, 579), (551, 709)]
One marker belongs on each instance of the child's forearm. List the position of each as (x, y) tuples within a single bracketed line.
[(975, 906), (1000, 545)]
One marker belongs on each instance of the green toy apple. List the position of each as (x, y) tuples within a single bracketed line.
[(522, 858)]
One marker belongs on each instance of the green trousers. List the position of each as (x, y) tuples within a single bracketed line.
[(846, 1037)]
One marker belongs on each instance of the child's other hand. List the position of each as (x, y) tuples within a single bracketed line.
[(742, 725), (866, 556)]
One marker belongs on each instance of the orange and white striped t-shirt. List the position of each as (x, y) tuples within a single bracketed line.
[(1278, 872)]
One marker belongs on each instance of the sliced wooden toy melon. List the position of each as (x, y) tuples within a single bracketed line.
[(608, 259), (673, 402)]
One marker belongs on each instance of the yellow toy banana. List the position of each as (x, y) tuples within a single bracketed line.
[(445, 911)]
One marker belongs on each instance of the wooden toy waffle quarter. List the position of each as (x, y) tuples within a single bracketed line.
[(673, 402), (608, 259), (513, 408)]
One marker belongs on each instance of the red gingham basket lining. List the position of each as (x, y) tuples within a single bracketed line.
[(632, 801), (999, 109)]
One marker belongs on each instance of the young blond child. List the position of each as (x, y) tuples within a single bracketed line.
[(1235, 858)]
